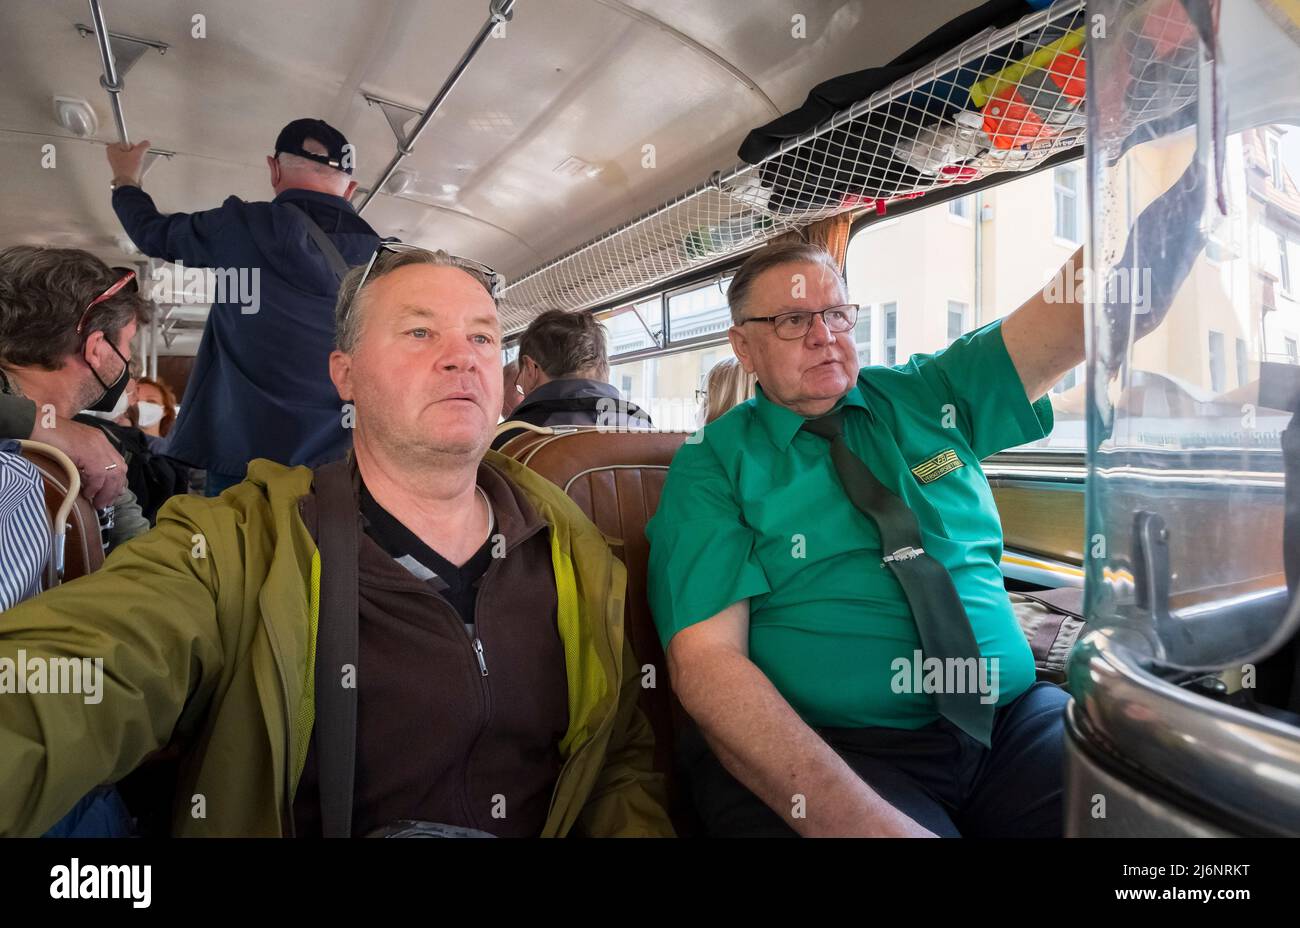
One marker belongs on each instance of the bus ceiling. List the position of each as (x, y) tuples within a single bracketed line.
[(537, 131)]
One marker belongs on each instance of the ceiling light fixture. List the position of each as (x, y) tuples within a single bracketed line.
[(76, 116), (399, 183)]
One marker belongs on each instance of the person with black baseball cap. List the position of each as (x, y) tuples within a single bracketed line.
[(294, 137), (260, 386)]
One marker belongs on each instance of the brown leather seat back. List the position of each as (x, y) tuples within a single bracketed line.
[(616, 478), (83, 550), (518, 446)]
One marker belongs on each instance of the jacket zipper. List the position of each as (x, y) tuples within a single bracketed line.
[(484, 689), (475, 646)]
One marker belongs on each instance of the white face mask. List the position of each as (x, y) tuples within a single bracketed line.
[(150, 413)]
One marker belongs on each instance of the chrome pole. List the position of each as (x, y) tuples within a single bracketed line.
[(499, 11), (109, 80)]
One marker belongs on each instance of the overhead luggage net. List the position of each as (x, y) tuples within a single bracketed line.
[(1005, 100)]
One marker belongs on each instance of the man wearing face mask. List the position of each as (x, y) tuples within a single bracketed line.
[(66, 324)]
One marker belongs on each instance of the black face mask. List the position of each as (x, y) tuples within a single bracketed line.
[(108, 402)]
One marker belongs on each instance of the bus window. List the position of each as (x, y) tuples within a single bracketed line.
[(937, 273), (671, 386), (1186, 475)]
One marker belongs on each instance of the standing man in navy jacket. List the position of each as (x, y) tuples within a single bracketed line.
[(260, 387)]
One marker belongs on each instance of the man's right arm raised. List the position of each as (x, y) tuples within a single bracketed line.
[(192, 238)]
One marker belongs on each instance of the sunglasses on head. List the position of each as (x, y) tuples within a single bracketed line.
[(495, 280), (127, 281)]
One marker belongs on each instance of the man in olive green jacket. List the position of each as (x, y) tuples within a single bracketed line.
[(207, 625)]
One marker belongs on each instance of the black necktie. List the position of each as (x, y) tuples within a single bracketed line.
[(941, 619)]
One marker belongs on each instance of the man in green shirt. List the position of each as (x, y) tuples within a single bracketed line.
[(796, 654)]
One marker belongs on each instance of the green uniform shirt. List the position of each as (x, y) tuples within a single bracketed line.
[(752, 509)]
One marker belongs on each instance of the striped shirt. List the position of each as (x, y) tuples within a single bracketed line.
[(24, 527)]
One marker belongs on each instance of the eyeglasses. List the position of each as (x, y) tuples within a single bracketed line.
[(790, 326), (127, 278), (495, 281)]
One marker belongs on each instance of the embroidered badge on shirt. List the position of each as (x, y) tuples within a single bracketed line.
[(931, 469)]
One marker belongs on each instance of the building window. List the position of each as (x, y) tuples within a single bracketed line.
[(1066, 186), (862, 335), (956, 320), (960, 207), (1275, 162), (1069, 381), (699, 311), (1292, 354), (1283, 263), (625, 387), (888, 269), (1218, 367), (1242, 373), (890, 311), (633, 327)]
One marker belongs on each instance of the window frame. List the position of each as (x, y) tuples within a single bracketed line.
[(884, 333), (1075, 193), (1222, 379), (1284, 278), (665, 298), (870, 343), (1273, 152), (965, 324), (648, 324)]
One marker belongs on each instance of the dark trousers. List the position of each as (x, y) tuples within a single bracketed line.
[(217, 483), (938, 775)]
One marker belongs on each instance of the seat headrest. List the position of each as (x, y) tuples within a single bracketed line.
[(565, 453)]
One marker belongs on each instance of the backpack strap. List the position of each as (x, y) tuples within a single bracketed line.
[(337, 645), (338, 264)]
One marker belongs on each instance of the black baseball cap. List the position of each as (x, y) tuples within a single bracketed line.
[(293, 135)]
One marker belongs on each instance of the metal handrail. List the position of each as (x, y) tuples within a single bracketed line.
[(498, 11), (110, 80), (1243, 764)]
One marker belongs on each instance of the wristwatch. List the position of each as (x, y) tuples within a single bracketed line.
[(122, 183)]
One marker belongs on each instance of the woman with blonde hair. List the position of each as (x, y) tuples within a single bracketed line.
[(726, 385)]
